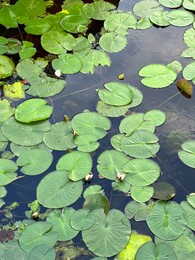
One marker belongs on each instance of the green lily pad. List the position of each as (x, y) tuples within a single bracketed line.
[(157, 116), (190, 211), (82, 219), (91, 190), (188, 37), (167, 220), (187, 154), (60, 137), (3, 192), (36, 234), (77, 164), (60, 219), (99, 10), (44, 252), (138, 211), (180, 18), (143, 23), (6, 67), (109, 234), (141, 172), (188, 71), (18, 149), (111, 111), (116, 94), (149, 251), (33, 110), (5, 110), (34, 161), (111, 163), (8, 251), (25, 134), (112, 42), (146, 8), (56, 190), (86, 143), (157, 75), (141, 194), (37, 26), (191, 199), (160, 18), (141, 144), (8, 17), (75, 23), (116, 141), (171, 3), (189, 5), (163, 191), (91, 123), (27, 50), (8, 170), (97, 201), (67, 63)]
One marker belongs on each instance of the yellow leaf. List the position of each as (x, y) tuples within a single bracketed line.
[(64, 11), (14, 91)]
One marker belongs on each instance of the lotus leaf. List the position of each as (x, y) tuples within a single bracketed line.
[(141, 172), (180, 18), (5, 110), (111, 111), (60, 219), (167, 220), (33, 110), (135, 241), (36, 234), (188, 37), (8, 251), (157, 75), (82, 219), (99, 10), (46, 87), (56, 190), (67, 63), (44, 252), (171, 3), (34, 161), (116, 94), (191, 199), (91, 123), (190, 211), (25, 134), (77, 164), (111, 163), (91, 190), (75, 23), (187, 154), (135, 122), (189, 71), (141, 144), (157, 116), (37, 26), (146, 8), (97, 201), (14, 91), (149, 251), (136, 210), (120, 22), (141, 194), (109, 234), (6, 67), (8, 170), (60, 137), (112, 42), (160, 18), (86, 143)]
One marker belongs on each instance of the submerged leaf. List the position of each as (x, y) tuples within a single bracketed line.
[(185, 88)]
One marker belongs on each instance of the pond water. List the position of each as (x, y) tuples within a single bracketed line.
[(154, 45)]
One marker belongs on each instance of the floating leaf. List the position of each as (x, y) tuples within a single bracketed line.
[(171, 3), (75, 23), (86, 143), (33, 110), (189, 71), (36, 234), (163, 191), (3, 191), (91, 190), (96, 201), (156, 116), (180, 18), (188, 4), (120, 22), (136, 210), (42, 251), (191, 199), (167, 220), (99, 10), (25, 134), (82, 219), (8, 170), (67, 63), (157, 75), (109, 234), (160, 18), (149, 251), (145, 8), (77, 164), (8, 251), (111, 111), (27, 50), (188, 53), (6, 67), (187, 154), (14, 91), (37, 26), (141, 172), (110, 163), (190, 211), (143, 23), (60, 219), (141, 194), (135, 241), (60, 137), (185, 88), (112, 42), (56, 190), (188, 37), (116, 93), (14, 46), (35, 161), (5, 110), (116, 141), (8, 16), (18, 149), (91, 123)]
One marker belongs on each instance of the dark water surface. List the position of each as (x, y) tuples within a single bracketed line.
[(154, 45)]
